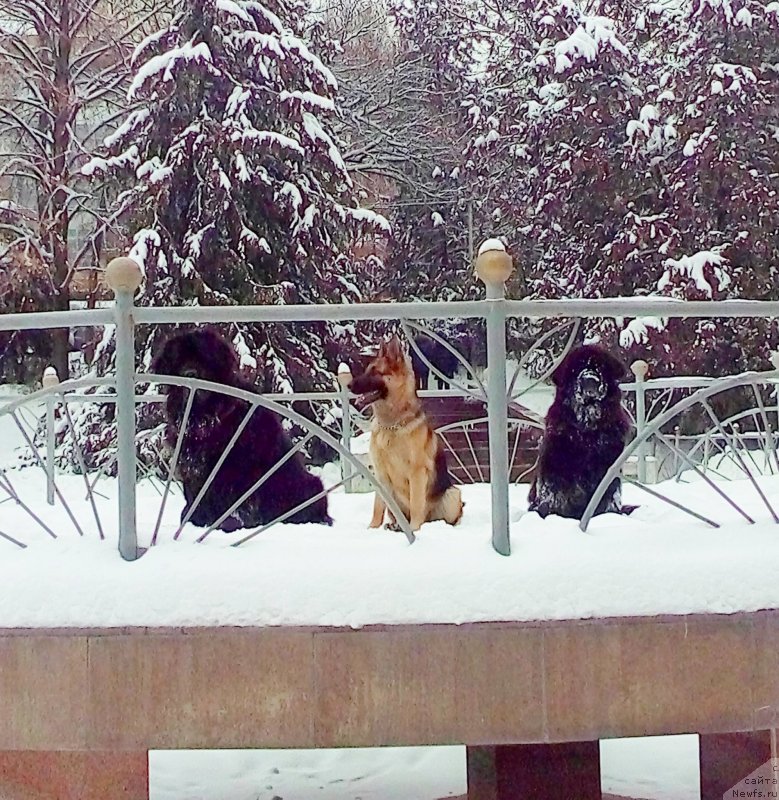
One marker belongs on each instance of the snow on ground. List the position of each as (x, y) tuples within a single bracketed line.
[(651, 768), (390, 773), (657, 561)]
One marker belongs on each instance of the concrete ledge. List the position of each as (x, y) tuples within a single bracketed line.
[(74, 776), (497, 683)]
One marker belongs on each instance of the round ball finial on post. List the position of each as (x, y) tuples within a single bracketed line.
[(493, 264), (344, 375), (640, 369), (50, 378), (124, 275)]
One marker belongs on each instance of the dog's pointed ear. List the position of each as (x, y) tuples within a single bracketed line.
[(394, 350)]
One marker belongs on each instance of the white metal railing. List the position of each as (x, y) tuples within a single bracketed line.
[(124, 277), (702, 448)]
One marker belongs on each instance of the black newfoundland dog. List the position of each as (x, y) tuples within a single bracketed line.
[(586, 431), (213, 421)]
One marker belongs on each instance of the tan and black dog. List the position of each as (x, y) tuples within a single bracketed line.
[(407, 454)]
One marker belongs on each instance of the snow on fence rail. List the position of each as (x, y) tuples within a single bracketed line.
[(653, 413)]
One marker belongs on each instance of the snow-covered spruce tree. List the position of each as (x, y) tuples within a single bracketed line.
[(714, 129), (238, 191)]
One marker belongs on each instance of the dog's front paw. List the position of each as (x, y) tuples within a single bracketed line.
[(231, 524), (392, 526), (542, 509)]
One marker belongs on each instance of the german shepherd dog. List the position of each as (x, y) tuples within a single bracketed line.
[(407, 454)]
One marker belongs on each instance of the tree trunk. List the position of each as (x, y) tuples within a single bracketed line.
[(63, 109), (59, 340)]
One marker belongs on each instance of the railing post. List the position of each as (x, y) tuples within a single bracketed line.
[(494, 266), (50, 380), (124, 277), (774, 359), (678, 444), (640, 370), (344, 379)]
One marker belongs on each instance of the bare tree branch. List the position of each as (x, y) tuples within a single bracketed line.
[(64, 70)]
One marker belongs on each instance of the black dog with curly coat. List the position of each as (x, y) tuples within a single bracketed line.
[(586, 431), (214, 419)]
